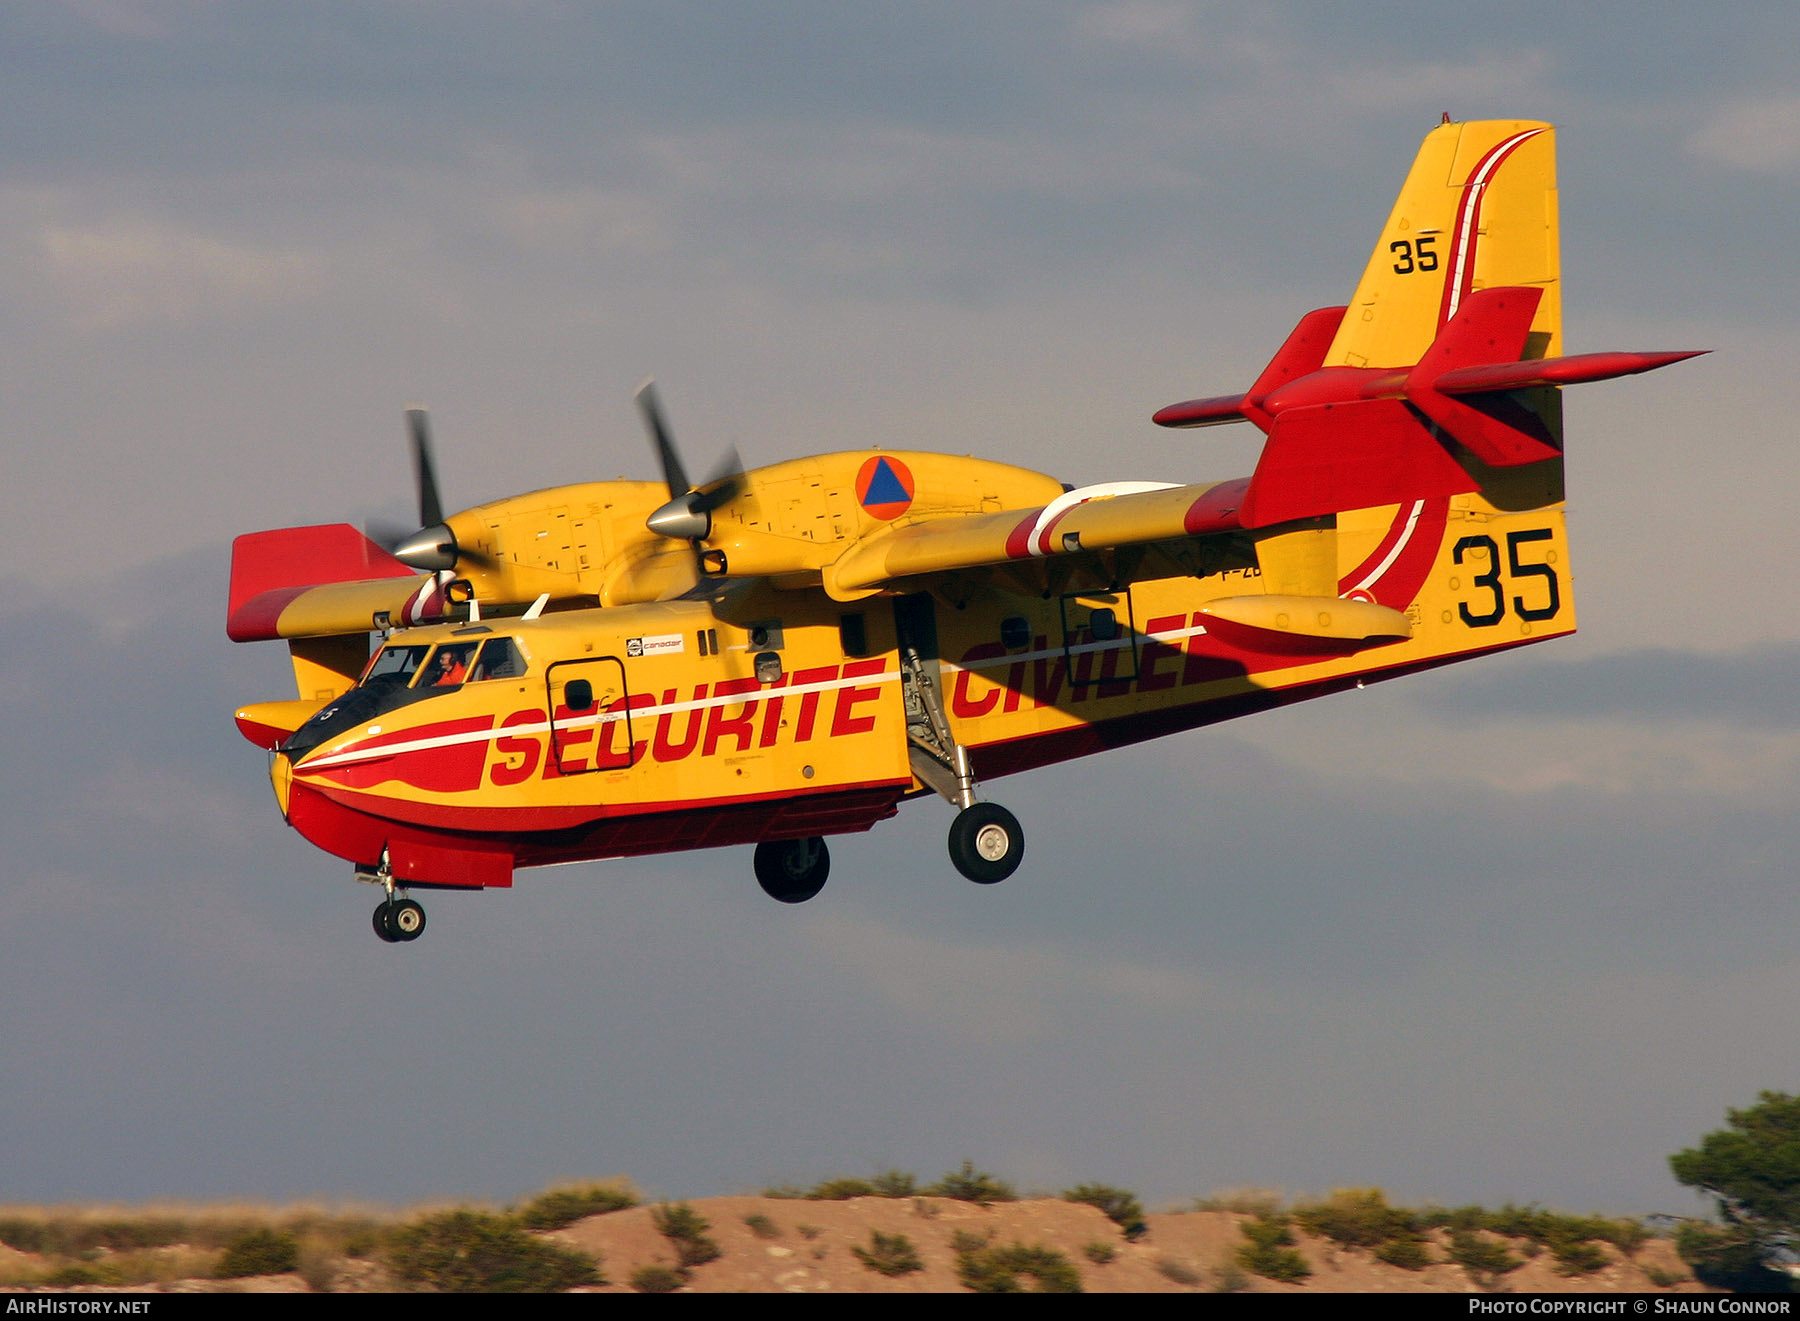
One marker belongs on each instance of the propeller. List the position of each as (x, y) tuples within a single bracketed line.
[(433, 546), (688, 514)]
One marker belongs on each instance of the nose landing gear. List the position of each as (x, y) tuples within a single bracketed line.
[(397, 920)]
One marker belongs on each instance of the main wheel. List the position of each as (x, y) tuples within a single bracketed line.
[(383, 926), (407, 919), (986, 843), (792, 870)]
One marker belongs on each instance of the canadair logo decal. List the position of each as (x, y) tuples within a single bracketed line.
[(884, 487)]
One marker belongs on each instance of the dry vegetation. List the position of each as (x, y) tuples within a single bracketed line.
[(890, 1233)]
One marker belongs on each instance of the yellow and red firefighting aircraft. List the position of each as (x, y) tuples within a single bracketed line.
[(770, 657)]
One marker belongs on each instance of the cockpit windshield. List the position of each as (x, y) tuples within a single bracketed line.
[(404, 673)]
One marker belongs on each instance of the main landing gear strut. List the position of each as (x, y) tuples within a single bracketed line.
[(397, 920), (986, 841)]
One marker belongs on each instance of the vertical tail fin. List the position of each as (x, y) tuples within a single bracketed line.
[(1478, 210)]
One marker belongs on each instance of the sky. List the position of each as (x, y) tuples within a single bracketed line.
[(1537, 940)]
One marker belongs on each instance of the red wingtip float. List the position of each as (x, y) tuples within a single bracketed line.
[(774, 657)]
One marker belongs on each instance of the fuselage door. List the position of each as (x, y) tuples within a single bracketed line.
[(590, 717), (1100, 637)]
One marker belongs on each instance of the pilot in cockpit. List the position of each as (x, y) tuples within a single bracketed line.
[(449, 666)]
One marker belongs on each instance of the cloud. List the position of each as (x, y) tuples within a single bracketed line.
[(560, 217), (135, 271), (1150, 23), (1761, 136)]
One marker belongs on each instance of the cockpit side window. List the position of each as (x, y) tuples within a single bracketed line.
[(393, 666), (449, 666), (499, 659)]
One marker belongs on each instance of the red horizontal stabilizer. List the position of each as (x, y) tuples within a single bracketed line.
[(1301, 354), (292, 559), (1491, 326), (1330, 457), (1201, 412), (1576, 370)]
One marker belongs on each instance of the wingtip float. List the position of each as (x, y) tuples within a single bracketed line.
[(777, 656)]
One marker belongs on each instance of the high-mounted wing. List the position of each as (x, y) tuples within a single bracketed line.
[(1105, 517)]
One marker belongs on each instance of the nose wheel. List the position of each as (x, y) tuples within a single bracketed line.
[(396, 920), (986, 843), (399, 920), (792, 870)]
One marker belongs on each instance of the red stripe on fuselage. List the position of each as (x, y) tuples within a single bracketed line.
[(454, 767)]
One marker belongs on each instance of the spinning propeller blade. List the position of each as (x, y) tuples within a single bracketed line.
[(432, 547), (688, 514)]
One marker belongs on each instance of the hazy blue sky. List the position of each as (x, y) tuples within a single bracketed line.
[(1540, 941)]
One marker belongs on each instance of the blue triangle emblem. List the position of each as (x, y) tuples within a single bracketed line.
[(885, 487)]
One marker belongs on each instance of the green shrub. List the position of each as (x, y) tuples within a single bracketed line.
[(78, 1235), (1270, 1251), (894, 1183), (685, 1228), (83, 1273), (1230, 1279), (1357, 1218), (1485, 1260), (474, 1252), (1259, 1202), (559, 1207), (1408, 1251), (1663, 1279), (840, 1190), (762, 1226), (1569, 1238), (657, 1279), (997, 1270), (889, 1254), (25, 1234), (972, 1185), (1578, 1258), (1178, 1272), (1119, 1206), (1101, 1254), (259, 1252), (1626, 1235)]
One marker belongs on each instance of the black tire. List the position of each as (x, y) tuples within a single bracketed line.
[(407, 919), (382, 919), (792, 870), (986, 843)]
